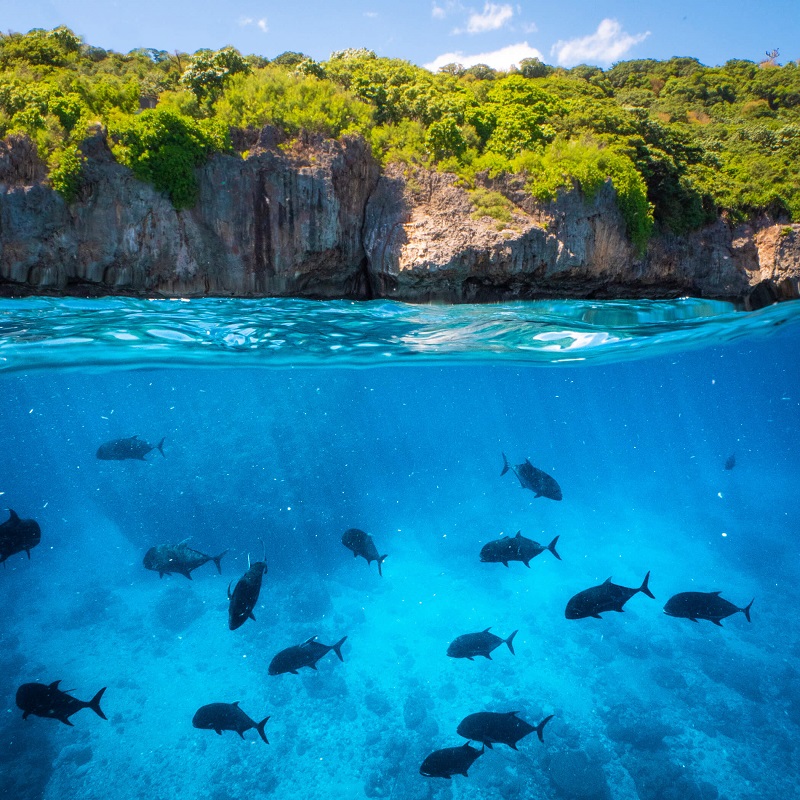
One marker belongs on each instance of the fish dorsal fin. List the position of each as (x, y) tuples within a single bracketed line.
[(236, 703), (512, 713), (183, 542), (466, 745), (528, 462), (54, 685), (135, 436), (12, 515), (519, 535), (607, 580), (716, 593), (308, 641), (488, 629)]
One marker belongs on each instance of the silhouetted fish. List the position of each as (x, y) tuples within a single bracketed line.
[(606, 597), (469, 645), (703, 605), (529, 477), (491, 728), (47, 700), (303, 655), (362, 545), (730, 462), (450, 761), (123, 449), (245, 594), (516, 548), (227, 717), (168, 558), (17, 535)]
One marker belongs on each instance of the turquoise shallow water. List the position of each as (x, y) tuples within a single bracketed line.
[(287, 422)]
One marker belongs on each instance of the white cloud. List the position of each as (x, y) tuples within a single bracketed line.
[(606, 45), (371, 14), (437, 12), (441, 9), (261, 24), (497, 59), (491, 18)]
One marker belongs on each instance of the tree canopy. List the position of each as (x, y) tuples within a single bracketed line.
[(681, 142)]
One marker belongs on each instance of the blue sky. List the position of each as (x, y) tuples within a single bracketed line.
[(433, 32)]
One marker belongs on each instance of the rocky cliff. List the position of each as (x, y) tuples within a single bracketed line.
[(319, 219)]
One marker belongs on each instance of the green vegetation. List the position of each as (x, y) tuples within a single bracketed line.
[(680, 142)]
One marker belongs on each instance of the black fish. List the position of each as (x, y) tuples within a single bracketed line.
[(703, 605), (227, 717), (450, 761), (469, 645), (303, 655), (605, 597), (245, 594), (168, 558), (17, 535), (491, 728), (362, 545), (123, 449), (529, 477), (730, 462), (518, 548), (43, 700)]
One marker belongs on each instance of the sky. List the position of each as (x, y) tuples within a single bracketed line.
[(433, 32)]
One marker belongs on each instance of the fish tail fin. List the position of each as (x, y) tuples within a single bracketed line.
[(505, 465), (746, 609), (552, 548), (645, 588), (540, 727), (337, 648), (160, 446), (380, 561), (94, 704), (260, 729), (217, 559), (510, 642)]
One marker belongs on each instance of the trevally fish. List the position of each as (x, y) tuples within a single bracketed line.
[(516, 548), (227, 717), (168, 558), (491, 728), (450, 761), (18, 535), (47, 700), (606, 597), (362, 545), (730, 462), (469, 645), (703, 605), (131, 448), (529, 477), (303, 655), (245, 594)]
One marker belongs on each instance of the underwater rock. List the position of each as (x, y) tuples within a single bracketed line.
[(637, 726), (415, 710), (668, 678), (577, 777), (177, 608)]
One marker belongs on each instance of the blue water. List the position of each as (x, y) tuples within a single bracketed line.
[(287, 422)]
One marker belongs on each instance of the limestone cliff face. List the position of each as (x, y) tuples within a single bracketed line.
[(320, 220)]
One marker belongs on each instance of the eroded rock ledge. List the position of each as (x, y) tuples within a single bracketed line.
[(320, 220)]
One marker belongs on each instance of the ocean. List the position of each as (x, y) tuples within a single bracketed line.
[(670, 427)]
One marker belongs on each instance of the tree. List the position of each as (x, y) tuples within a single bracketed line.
[(208, 70)]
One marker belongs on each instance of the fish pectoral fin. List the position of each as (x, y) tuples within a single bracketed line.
[(218, 731), (692, 619), (527, 563), (717, 622), (505, 564), (251, 616), (66, 721)]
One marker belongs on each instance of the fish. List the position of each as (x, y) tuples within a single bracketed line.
[(17, 535), (130, 448), (730, 461), (168, 558), (450, 761), (469, 645), (47, 700), (529, 477), (491, 728), (362, 545), (220, 717), (517, 548), (703, 605), (245, 594), (606, 597), (303, 655)]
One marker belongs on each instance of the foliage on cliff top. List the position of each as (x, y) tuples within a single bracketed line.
[(697, 140)]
